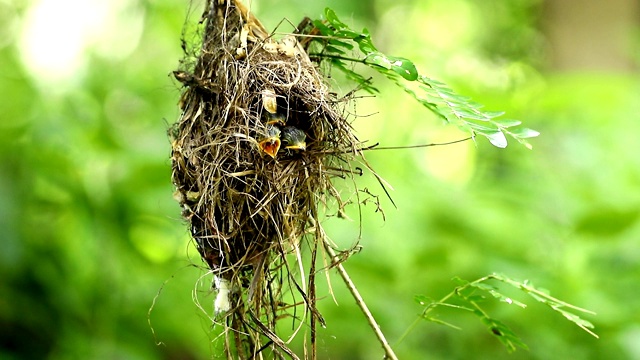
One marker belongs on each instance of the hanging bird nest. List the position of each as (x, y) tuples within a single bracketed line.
[(259, 140)]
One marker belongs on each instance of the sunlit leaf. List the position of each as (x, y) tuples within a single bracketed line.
[(401, 66), (348, 34), (524, 133), (493, 114), (469, 115), (507, 123), (365, 44), (434, 95), (481, 128), (497, 139)]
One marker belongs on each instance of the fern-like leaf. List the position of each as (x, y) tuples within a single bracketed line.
[(339, 40), (469, 296)]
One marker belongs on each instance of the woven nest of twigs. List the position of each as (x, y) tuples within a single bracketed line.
[(259, 140)]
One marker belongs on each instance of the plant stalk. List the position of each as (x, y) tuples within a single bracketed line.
[(389, 354)]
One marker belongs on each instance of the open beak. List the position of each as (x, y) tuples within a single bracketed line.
[(270, 146)]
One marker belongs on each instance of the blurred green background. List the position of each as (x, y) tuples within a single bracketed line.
[(90, 232)]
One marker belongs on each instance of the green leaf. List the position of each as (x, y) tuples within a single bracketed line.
[(504, 334), (493, 114), (404, 68), (542, 295), (523, 133), (348, 34), (481, 128), (467, 114), (332, 18), (365, 44), (334, 50), (497, 139), (401, 66), (465, 292), (507, 123), (340, 43), (324, 29), (434, 95), (496, 294)]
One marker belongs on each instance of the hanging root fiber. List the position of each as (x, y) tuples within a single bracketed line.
[(258, 142)]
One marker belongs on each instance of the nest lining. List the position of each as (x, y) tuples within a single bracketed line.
[(249, 210)]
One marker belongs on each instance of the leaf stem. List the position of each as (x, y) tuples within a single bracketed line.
[(345, 58)]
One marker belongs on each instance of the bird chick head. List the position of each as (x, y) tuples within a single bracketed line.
[(294, 138), (270, 143)]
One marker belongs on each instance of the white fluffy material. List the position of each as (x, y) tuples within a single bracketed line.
[(222, 304)]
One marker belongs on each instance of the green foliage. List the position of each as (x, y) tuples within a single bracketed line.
[(432, 94), (87, 214), (471, 294)]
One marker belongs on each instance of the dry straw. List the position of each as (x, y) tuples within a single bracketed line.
[(252, 194)]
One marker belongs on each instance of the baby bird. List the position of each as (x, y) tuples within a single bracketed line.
[(293, 138), (270, 144), (275, 119)]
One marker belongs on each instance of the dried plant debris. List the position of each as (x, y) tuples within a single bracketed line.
[(259, 140)]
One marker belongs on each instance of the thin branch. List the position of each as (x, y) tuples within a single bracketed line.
[(415, 146), (312, 298), (389, 354), (338, 57), (377, 146)]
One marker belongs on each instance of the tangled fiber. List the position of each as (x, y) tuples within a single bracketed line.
[(250, 193)]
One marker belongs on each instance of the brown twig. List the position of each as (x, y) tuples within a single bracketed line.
[(389, 354), (312, 298)]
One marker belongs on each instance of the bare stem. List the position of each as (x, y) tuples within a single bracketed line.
[(312, 299), (389, 354)]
